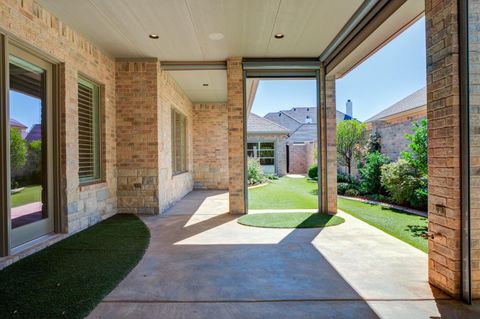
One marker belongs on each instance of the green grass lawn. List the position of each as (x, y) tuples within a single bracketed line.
[(285, 193), (30, 194), (69, 278), (406, 227), (301, 193), (290, 220)]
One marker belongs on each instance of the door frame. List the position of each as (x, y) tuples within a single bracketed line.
[(55, 192)]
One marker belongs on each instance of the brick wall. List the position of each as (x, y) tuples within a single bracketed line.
[(146, 96), (443, 113), (301, 157), (474, 18), (172, 187), (280, 141), (392, 134), (30, 23), (210, 146), (331, 145), (236, 135), (137, 136)]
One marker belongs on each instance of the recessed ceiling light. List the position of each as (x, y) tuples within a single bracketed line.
[(153, 36), (279, 36), (205, 84), (216, 36)]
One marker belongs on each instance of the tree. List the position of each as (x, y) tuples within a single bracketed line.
[(372, 171), (418, 155), (18, 151), (374, 142), (350, 135), (34, 160)]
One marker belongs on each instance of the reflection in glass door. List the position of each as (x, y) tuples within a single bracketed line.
[(30, 171)]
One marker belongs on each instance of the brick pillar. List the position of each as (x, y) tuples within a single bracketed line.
[(236, 125), (328, 144), (443, 107), (474, 112), (137, 136)]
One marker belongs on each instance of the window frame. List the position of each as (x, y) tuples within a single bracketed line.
[(259, 149), (174, 113), (98, 132)]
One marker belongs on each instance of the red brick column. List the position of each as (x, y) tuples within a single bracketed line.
[(137, 137), (443, 106), (331, 146), (328, 144), (236, 158)]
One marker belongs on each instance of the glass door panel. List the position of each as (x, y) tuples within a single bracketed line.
[(29, 106)]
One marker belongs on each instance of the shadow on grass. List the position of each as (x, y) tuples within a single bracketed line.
[(417, 230)]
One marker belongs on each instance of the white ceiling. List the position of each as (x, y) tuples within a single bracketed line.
[(121, 27), (401, 19), (192, 83)]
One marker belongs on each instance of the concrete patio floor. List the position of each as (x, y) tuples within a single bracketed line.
[(202, 264)]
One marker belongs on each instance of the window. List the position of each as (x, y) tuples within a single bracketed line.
[(88, 131), (179, 142), (265, 151)]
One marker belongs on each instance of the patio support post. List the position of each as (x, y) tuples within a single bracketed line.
[(236, 137), (444, 151), (327, 144)]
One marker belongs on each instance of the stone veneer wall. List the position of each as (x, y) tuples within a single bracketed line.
[(443, 113), (280, 141), (236, 136), (30, 23), (210, 145), (392, 135), (146, 96)]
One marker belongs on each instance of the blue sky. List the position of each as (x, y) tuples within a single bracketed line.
[(392, 73), (25, 109)]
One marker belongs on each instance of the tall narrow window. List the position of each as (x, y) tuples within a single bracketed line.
[(179, 142), (88, 131)]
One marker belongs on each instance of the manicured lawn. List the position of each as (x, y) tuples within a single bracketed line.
[(285, 193), (406, 227), (290, 220), (69, 278), (301, 193), (30, 194)]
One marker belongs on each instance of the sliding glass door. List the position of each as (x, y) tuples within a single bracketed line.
[(30, 162)]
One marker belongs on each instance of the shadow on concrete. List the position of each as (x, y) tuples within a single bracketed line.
[(203, 278)]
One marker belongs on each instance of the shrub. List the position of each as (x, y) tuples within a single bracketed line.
[(342, 188), (352, 192), (418, 155), (404, 185), (313, 171), (371, 173), (255, 172), (271, 177)]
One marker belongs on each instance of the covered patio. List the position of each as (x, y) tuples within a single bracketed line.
[(201, 263), (144, 108)]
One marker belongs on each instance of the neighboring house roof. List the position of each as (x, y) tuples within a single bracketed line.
[(35, 133), (305, 133), (413, 101), (258, 124), (297, 116), (17, 124)]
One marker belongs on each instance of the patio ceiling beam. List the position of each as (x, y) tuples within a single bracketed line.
[(193, 65), (365, 21)]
